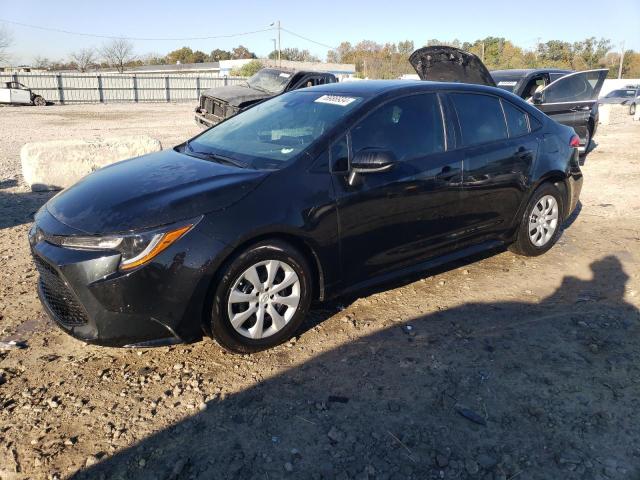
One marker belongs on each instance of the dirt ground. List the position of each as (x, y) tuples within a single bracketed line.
[(502, 367)]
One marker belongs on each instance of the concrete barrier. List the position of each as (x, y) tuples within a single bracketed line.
[(59, 164)]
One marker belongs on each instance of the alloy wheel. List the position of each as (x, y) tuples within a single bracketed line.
[(263, 299), (543, 220)]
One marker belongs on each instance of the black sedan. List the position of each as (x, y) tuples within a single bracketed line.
[(306, 196), (570, 98)]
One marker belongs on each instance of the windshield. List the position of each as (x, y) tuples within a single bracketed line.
[(622, 93), (273, 132), (269, 80), (505, 81)]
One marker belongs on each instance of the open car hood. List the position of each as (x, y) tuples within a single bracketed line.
[(450, 64)]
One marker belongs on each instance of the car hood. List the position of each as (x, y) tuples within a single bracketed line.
[(150, 191), (236, 95), (449, 64)]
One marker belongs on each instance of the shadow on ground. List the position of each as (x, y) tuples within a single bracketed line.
[(17, 208), (491, 391)]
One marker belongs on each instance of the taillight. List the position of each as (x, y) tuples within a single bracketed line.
[(575, 141)]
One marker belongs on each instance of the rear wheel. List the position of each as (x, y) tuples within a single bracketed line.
[(39, 101), (541, 224), (262, 297)]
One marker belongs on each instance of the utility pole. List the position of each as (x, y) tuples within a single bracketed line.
[(482, 52), (279, 49), (277, 24), (621, 60)]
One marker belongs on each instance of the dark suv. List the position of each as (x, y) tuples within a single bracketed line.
[(219, 103)]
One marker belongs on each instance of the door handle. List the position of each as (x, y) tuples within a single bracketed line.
[(523, 153)]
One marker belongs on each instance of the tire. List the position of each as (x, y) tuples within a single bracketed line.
[(39, 101), (536, 237), (587, 142), (291, 278), (632, 109)]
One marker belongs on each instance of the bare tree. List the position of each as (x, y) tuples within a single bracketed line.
[(42, 62), (83, 58), (5, 42), (118, 53)]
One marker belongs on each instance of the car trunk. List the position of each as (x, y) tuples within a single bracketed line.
[(450, 64)]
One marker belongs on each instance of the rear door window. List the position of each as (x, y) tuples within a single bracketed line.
[(517, 121), (410, 127), (480, 117)]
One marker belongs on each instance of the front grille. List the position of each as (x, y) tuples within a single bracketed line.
[(60, 300), (218, 109)]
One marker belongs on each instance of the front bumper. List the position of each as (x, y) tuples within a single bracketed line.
[(206, 120), (159, 303)]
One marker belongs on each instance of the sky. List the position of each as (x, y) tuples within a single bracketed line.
[(327, 22)]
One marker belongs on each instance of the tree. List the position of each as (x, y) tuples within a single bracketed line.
[(118, 53), (241, 52), (5, 43), (182, 55), (42, 62), (248, 69), (83, 58), (199, 57), (217, 55), (294, 54), (153, 59)]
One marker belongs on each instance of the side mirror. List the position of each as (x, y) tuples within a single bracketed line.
[(537, 98), (372, 161)]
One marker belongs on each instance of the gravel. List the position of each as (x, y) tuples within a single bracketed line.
[(553, 405)]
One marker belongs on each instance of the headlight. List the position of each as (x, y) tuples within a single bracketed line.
[(135, 249)]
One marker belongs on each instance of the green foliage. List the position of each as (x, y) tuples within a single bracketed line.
[(217, 55), (294, 54), (241, 52), (248, 69)]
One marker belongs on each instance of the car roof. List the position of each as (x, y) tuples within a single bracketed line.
[(525, 72), (371, 88)]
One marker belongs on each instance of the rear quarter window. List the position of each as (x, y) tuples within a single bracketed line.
[(480, 117), (517, 121)]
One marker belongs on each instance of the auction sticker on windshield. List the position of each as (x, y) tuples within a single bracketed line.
[(507, 84), (335, 100)]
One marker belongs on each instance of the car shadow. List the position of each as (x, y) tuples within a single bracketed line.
[(17, 208), (484, 390)]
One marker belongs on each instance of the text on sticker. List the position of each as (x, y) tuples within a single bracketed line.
[(335, 100)]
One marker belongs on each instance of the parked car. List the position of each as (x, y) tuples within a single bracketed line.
[(303, 197), (570, 98), (217, 104), (15, 93), (623, 96)]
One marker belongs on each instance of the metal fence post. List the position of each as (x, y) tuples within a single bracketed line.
[(135, 89), (225, 80), (100, 89), (198, 88), (166, 88), (60, 89), (15, 77)]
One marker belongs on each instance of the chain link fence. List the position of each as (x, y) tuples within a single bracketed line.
[(112, 88)]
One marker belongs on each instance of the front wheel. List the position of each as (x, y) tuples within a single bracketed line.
[(541, 224), (632, 109), (262, 297)]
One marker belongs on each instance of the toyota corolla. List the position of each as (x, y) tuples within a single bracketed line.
[(316, 192)]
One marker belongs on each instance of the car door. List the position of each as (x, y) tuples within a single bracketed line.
[(395, 218), (570, 99), (19, 94), (498, 153)]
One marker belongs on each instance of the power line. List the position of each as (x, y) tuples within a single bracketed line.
[(308, 39), (95, 35)]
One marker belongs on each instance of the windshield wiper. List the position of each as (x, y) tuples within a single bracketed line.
[(217, 157)]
